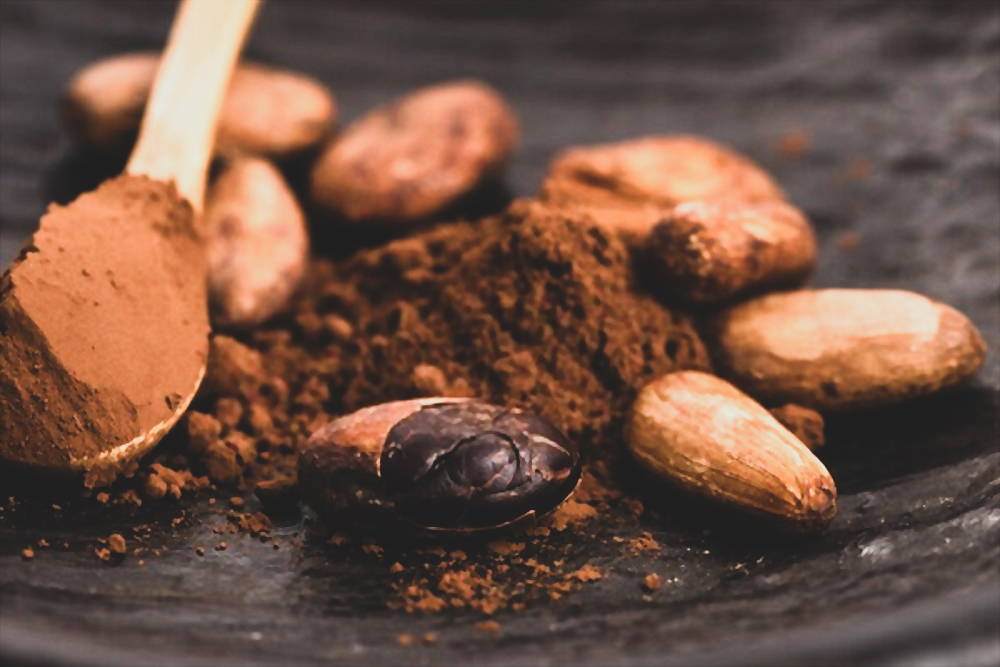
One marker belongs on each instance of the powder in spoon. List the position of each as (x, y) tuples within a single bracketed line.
[(103, 328)]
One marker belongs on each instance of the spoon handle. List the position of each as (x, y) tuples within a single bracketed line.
[(178, 128)]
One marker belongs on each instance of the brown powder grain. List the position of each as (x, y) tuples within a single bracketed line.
[(586, 573), (202, 430), (570, 513), (644, 542), (162, 480), (488, 580), (117, 544), (505, 548), (234, 370), (652, 582), (489, 627)]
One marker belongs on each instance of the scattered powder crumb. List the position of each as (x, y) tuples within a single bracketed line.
[(489, 627), (259, 419), (117, 544), (339, 539), (505, 548), (163, 481), (406, 639), (103, 553), (200, 551), (202, 431), (570, 513), (586, 573), (372, 548), (429, 380), (27, 553), (42, 543), (467, 587), (221, 461), (131, 497), (229, 412), (595, 485), (251, 523), (234, 369), (557, 590), (430, 638), (419, 599), (644, 542), (652, 582), (339, 329)]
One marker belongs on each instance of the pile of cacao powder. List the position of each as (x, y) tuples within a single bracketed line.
[(532, 308), (529, 308)]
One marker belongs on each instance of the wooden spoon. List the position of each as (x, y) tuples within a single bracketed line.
[(103, 317)]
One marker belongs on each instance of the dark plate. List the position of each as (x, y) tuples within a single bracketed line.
[(901, 106)]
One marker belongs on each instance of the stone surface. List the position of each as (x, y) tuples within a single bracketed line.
[(899, 102)]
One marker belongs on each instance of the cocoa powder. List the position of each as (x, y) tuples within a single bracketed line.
[(100, 339), (532, 308)]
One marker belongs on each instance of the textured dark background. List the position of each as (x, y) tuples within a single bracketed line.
[(901, 102)]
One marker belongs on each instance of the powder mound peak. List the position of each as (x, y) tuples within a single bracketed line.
[(533, 308)]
